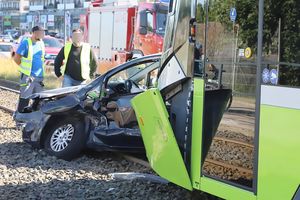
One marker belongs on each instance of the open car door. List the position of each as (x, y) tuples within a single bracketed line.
[(162, 149)]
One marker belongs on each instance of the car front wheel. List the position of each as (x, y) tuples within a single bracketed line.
[(65, 139)]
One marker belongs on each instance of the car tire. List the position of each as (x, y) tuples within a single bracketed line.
[(66, 139)]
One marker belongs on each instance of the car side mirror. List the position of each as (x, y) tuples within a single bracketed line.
[(143, 18), (128, 85), (143, 30)]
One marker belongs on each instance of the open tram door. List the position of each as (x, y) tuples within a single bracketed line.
[(226, 121)]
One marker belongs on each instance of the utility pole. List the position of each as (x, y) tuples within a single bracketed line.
[(44, 22), (279, 44), (235, 48), (65, 26), (233, 16), (279, 39)]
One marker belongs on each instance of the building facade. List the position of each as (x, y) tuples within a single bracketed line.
[(12, 13), (53, 15)]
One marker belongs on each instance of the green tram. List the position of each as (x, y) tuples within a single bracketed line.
[(231, 70)]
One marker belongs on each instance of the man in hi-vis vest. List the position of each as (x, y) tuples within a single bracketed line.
[(76, 62), (30, 58)]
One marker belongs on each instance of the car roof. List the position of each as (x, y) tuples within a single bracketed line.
[(49, 36), (27, 36), (133, 62), (46, 36)]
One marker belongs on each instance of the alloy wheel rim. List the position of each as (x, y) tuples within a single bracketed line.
[(61, 137)]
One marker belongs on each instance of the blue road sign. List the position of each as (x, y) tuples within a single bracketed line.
[(274, 76), (266, 76), (233, 14)]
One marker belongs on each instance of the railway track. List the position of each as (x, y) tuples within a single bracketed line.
[(10, 111), (220, 167), (126, 156), (229, 166), (237, 142), (9, 84), (209, 161), (146, 164), (2, 107), (9, 89)]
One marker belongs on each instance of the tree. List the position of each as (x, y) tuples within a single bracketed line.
[(286, 10)]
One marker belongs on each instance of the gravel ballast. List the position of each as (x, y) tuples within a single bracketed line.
[(27, 173), (8, 99)]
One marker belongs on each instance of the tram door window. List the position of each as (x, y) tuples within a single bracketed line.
[(230, 89), (281, 50)]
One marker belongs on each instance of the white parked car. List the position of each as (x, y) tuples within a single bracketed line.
[(6, 38), (5, 49)]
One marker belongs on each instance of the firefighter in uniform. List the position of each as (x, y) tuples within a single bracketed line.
[(76, 62), (30, 58)]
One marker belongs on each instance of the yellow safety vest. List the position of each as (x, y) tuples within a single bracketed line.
[(26, 62), (84, 59)]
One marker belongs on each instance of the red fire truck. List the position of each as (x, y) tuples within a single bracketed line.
[(119, 30)]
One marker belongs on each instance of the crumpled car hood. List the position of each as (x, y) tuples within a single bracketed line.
[(55, 92)]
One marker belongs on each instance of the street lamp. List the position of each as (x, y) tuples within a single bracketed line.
[(36, 19), (65, 27), (235, 48), (66, 23)]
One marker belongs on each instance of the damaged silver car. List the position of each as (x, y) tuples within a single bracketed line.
[(97, 116)]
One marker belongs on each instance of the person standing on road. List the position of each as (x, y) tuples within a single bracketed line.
[(30, 58), (76, 62)]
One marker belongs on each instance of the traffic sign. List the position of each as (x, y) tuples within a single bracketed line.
[(241, 52), (274, 76), (248, 52), (266, 76), (233, 14)]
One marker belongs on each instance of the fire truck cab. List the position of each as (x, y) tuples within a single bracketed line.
[(119, 31)]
